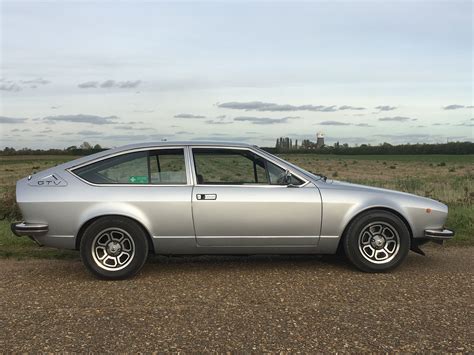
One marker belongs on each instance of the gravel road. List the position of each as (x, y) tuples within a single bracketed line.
[(278, 303)]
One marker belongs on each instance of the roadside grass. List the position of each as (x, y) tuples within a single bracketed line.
[(12, 246), (461, 220), (447, 178)]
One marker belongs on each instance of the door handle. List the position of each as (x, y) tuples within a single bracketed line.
[(206, 196)]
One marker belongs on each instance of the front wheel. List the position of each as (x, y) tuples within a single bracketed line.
[(377, 241), (114, 248)]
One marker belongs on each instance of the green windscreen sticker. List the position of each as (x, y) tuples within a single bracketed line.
[(138, 179)]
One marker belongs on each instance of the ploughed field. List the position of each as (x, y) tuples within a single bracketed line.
[(447, 178)]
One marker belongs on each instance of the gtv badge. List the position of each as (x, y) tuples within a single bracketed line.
[(50, 180)]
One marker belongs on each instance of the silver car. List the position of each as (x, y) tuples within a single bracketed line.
[(216, 198)]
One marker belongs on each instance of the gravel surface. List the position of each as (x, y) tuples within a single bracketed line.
[(278, 303)]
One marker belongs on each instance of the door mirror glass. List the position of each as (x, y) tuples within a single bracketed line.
[(288, 177)]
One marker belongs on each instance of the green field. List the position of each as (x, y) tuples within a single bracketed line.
[(447, 178), (435, 158)]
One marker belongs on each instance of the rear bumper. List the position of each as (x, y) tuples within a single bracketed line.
[(29, 229), (439, 234)]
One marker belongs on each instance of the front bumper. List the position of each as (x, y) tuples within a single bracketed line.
[(439, 234), (29, 229)]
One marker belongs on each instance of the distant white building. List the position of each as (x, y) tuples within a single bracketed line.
[(319, 140)]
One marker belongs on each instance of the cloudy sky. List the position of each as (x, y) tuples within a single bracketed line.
[(119, 72)]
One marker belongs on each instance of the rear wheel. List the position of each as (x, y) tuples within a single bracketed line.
[(377, 241), (114, 248)]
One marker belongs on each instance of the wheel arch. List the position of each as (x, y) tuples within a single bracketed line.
[(376, 208), (87, 223)]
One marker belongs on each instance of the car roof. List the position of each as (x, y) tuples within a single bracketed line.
[(182, 143)]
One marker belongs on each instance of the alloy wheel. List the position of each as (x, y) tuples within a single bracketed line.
[(113, 249), (379, 242)]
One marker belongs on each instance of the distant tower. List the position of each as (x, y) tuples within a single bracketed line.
[(319, 140)]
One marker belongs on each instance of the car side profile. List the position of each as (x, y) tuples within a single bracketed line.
[(119, 205)]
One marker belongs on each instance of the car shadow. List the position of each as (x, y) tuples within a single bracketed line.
[(288, 263), (160, 265), (243, 262)]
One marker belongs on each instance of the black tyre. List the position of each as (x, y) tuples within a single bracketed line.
[(377, 241), (114, 248)]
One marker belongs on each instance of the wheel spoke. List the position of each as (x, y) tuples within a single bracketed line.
[(110, 258), (390, 246), (126, 245), (380, 254), (388, 233), (123, 257), (117, 236), (101, 252), (369, 250), (366, 238), (375, 229), (104, 239)]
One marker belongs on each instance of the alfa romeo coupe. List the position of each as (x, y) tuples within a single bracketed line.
[(119, 205)]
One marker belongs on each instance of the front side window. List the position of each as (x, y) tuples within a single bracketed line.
[(161, 166), (218, 166)]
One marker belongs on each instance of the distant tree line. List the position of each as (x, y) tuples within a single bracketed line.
[(382, 149), (341, 149), (84, 149)]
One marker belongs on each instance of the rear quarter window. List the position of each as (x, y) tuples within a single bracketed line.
[(157, 167), (129, 168)]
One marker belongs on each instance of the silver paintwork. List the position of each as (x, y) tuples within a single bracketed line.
[(241, 218)]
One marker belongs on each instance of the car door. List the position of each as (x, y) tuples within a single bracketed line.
[(239, 199)]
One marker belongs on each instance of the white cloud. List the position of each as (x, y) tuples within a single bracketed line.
[(107, 84), (92, 119)]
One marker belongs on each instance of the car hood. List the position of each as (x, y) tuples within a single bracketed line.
[(348, 185), (342, 185)]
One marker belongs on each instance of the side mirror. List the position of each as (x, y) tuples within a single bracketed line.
[(287, 178)]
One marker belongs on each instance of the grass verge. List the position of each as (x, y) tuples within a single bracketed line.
[(15, 247)]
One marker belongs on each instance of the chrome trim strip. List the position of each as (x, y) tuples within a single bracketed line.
[(172, 236), (439, 234), (257, 236), (22, 228), (189, 162)]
